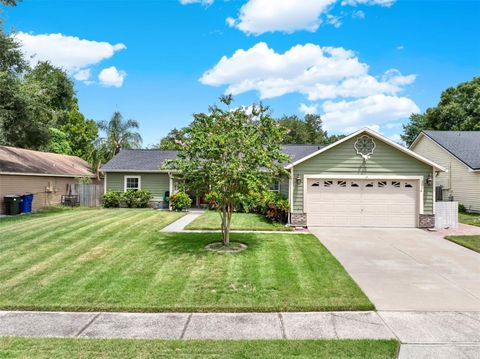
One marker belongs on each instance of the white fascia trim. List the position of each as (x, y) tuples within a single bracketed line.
[(44, 175), (125, 182), (420, 180), (378, 136)]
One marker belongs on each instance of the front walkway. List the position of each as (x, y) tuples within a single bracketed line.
[(422, 334), (407, 269), (179, 224)]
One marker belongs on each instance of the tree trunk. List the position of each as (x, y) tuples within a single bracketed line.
[(226, 220)]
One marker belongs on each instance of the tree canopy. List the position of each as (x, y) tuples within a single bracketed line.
[(231, 152), (298, 131), (458, 110)]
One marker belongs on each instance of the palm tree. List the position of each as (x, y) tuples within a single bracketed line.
[(119, 134)]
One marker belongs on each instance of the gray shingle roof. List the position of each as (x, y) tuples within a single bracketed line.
[(139, 160), (465, 145), (153, 160)]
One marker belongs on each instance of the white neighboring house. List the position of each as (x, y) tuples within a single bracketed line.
[(459, 153)]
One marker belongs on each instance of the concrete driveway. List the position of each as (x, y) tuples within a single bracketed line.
[(407, 269)]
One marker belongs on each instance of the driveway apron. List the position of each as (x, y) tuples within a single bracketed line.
[(407, 269)]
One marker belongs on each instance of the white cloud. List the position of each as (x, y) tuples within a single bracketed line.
[(317, 72), (202, 2), (69, 52), (260, 16), (112, 77), (377, 109), (82, 75), (359, 14), (335, 21), (400, 47), (386, 3), (311, 109), (393, 125)]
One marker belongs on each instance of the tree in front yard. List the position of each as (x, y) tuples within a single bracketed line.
[(231, 152)]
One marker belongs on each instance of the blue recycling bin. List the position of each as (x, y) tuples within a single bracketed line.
[(26, 203)]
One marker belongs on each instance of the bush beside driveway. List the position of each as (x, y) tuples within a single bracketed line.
[(117, 260)]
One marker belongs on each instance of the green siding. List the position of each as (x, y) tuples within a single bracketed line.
[(156, 183), (343, 160)]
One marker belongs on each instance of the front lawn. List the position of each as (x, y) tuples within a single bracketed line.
[(118, 260), (470, 242), (98, 348), (469, 218), (210, 220)]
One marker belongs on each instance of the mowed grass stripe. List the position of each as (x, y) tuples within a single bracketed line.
[(118, 260), (61, 281), (25, 223), (37, 243), (11, 239), (72, 245)]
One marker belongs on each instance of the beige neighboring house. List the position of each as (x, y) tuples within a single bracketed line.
[(47, 175), (459, 153)]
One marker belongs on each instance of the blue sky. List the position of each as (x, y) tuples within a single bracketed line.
[(355, 62)]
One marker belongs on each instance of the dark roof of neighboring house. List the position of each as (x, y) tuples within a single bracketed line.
[(20, 160), (153, 160), (139, 160), (464, 145)]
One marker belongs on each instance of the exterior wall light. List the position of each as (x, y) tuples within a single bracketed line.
[(298, 180), (429, 179)]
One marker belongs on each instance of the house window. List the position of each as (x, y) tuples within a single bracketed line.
[(316, 184), (353, 184), (342, 183), (327, 183), (275, 187), (408, 185), (382, 184), (132, 182), (396, 184), (369, 185)]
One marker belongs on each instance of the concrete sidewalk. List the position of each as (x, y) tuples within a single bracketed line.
[(422, 334)]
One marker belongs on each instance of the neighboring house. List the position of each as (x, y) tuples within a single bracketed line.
[(459, 153), (47, 175), (363, 180)]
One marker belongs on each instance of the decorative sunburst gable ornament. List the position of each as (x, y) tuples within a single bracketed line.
[(364, 145)]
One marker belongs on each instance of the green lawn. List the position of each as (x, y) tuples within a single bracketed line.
[(117, 260), (471, 242), (240, 221), (469, 218), (97, 348)]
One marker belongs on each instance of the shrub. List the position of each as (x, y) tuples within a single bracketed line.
[(137, 198), (112, 199), (462, 208), (275, 207), (180, 201)]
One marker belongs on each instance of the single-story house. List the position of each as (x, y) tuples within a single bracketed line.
[(47, 175), (363, 180), (459, 153)]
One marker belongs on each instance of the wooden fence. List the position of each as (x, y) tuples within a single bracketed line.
[(89, 195)]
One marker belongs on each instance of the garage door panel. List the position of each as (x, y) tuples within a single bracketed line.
[(378, 203)]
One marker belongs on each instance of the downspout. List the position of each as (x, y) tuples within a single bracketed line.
[(290, 196)]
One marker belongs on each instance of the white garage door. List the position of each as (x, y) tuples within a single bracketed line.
[(361, 203)]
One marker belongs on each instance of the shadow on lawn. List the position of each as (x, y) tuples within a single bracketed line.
[(194, 243)]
